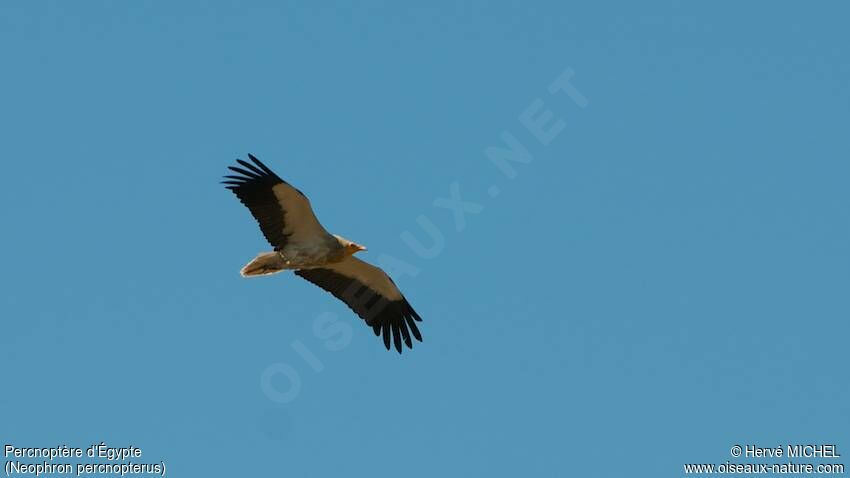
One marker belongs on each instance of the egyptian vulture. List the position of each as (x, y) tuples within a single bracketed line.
[(303, 245)]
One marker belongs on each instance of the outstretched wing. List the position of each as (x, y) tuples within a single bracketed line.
[(372, 295), (283, 212)]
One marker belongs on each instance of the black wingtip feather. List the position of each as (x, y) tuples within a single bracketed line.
[(386, 334), (254, 187), (405, 334), (249, 174), (412, 312), (250, 166), (261, 165), (413, 329), (397, 337), (394, 321)]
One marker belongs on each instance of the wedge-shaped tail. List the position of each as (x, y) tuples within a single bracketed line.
[(264, 264)]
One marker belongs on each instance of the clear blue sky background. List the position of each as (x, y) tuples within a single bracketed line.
[(666, 278)]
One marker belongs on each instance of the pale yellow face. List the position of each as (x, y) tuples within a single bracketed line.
[(349, 247), (353, 248)]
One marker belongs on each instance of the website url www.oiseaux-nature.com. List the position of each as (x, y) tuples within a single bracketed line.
[(764, 468)]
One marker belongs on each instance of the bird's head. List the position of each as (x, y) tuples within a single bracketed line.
[(350, 247)]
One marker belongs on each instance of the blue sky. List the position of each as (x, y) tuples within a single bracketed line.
[(665, 278)]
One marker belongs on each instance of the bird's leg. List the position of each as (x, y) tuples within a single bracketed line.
[(284, 259)]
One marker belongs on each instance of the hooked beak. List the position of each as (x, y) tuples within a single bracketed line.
[(360, 248)]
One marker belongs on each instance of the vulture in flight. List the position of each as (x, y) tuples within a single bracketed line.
[(303, 245)]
